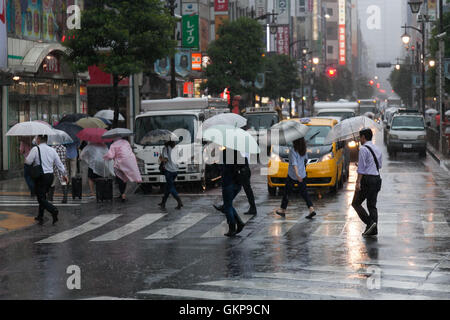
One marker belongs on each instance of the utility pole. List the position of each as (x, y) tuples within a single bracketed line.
[(173, 83), (441, 82)]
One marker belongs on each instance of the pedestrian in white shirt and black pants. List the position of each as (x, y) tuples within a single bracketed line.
[(43, 183)]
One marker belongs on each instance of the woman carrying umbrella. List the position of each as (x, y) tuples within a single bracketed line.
[(125, 164), (297, 175)]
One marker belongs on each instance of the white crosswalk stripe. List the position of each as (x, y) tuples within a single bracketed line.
[(136, 225), (222, 228), (202, 294), (86, 227), (179, 226)]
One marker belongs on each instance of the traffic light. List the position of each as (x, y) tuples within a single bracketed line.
[(378, 86), (331, 72), (371, 82)]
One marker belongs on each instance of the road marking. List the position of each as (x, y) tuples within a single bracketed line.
[(129, 228), (357, 280), (15, 221), (212, 295), (436, 229), (219, 230), (108, 298), (92, 224), (338, 293), (182, 224)]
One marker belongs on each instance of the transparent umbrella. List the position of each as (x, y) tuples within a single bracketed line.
[(117, 133), (231, 119), (30, 128), (60, 137), (158, 136), (285, 132), (232, 138), (349, 128)]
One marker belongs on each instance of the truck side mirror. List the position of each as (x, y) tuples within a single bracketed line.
[(201, 117), (388, 127)]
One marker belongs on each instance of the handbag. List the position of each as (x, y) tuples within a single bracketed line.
[(378, 168), (37, 171)]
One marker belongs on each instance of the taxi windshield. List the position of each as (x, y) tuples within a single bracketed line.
[(316, 135)]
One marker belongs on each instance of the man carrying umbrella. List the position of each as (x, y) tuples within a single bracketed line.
[(368, 183), (46, 157)]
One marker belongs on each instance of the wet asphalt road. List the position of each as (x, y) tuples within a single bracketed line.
[(134, 250)]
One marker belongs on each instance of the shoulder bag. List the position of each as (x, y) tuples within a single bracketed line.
[(378, 168), (37, 171)]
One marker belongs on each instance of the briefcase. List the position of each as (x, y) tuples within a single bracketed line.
[(104, 189), (77, 187)]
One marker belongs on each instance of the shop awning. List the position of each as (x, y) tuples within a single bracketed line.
[(34, 57)]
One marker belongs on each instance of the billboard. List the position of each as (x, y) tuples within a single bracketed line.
[(341, 33), (196, 61), (162, 66), (3, 36), (282, 9), (282, 39), (190, 26), (183, 62), (221, 6)]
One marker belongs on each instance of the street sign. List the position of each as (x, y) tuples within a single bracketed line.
[(384, 65)]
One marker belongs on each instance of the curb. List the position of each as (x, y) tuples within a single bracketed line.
[(435, 156)]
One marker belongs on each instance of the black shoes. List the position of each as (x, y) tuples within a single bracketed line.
[(40, 220), (371, 230), (251, 211), (219, 208), (311, 215), (231, 230), (55, 217), (240, 226), (180, 204), (162, 205), (280, 213)]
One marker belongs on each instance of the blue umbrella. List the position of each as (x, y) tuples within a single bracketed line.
[(70, 128)]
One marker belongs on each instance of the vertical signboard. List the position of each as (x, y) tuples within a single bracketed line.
[(221, 6), (190, 26), (432, 10), (196, 61), (283, 11), (282, 40), (3, 36), (341, 34), (260, 6), (183, 62)]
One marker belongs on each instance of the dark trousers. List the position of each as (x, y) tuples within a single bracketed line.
[(369, 190), (122, 185), (249, 192), (230, 192), (27, 176), (42, 185), (170, 184), (288, 189)]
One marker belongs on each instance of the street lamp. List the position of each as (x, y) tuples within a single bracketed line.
[(397, 66), (405, 37), (432, 63), (415, 6)]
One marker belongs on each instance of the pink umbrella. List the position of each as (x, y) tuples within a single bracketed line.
[(93, 135)]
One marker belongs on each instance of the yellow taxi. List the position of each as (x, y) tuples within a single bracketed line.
[(328, 164)]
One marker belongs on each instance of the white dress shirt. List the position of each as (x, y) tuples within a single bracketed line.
[(49, 157)]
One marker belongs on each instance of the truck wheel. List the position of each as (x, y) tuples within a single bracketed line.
[(272, 190)]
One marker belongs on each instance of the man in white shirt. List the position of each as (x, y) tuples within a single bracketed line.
[(43, 183)]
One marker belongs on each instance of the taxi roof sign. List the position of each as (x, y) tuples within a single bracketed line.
[(305, 120)]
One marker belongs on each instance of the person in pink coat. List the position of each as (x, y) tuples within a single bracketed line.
[(125, 164)]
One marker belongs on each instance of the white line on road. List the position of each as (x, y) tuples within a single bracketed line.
[(213, 295), (129, 228), (92, 224), (182, 224), (219, 230)]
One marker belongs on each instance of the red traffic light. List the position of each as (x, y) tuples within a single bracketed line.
[(371, 82), (378, 86), (331, 72)]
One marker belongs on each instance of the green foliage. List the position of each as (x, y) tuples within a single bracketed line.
[(236, 56), (363, 89), (333, 89), (401, 82), (281, 76)]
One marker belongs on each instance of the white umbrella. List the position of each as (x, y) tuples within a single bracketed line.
[(232, 138), (30, 128), (231, 119), (287, 131), (431, 111), (60, 137), (349, 128), (447, 113), (108, 114), (117, 133)]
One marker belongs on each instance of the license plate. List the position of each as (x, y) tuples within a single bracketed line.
[(407, 145)]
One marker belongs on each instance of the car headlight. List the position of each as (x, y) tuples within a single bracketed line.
[(352, 144), (193, 168), (141, 165), (422, 137), (393, 136), (275, 157), (327, 157)]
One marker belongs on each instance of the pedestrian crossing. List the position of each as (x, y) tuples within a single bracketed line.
[(213, 225), (26, 201), (355, 281)]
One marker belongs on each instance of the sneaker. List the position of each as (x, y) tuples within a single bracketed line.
[(371, 230), (311, 215), (280, 213)]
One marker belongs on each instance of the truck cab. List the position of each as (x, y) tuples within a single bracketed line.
[(259, 120), (183, 117)]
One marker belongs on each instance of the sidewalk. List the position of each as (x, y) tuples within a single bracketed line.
[(443, 161)]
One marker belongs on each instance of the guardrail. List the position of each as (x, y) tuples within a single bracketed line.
[(433, 136)]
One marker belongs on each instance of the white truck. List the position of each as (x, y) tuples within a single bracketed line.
[(342, 108), (182, 116)]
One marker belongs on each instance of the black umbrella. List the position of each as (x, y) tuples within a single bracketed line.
[(74, 117), (70, 128)]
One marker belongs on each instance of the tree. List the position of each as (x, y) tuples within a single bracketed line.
[(236, 57), (401, 82), (122, 38), (363, 89), (338, 87), (281, 76)]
